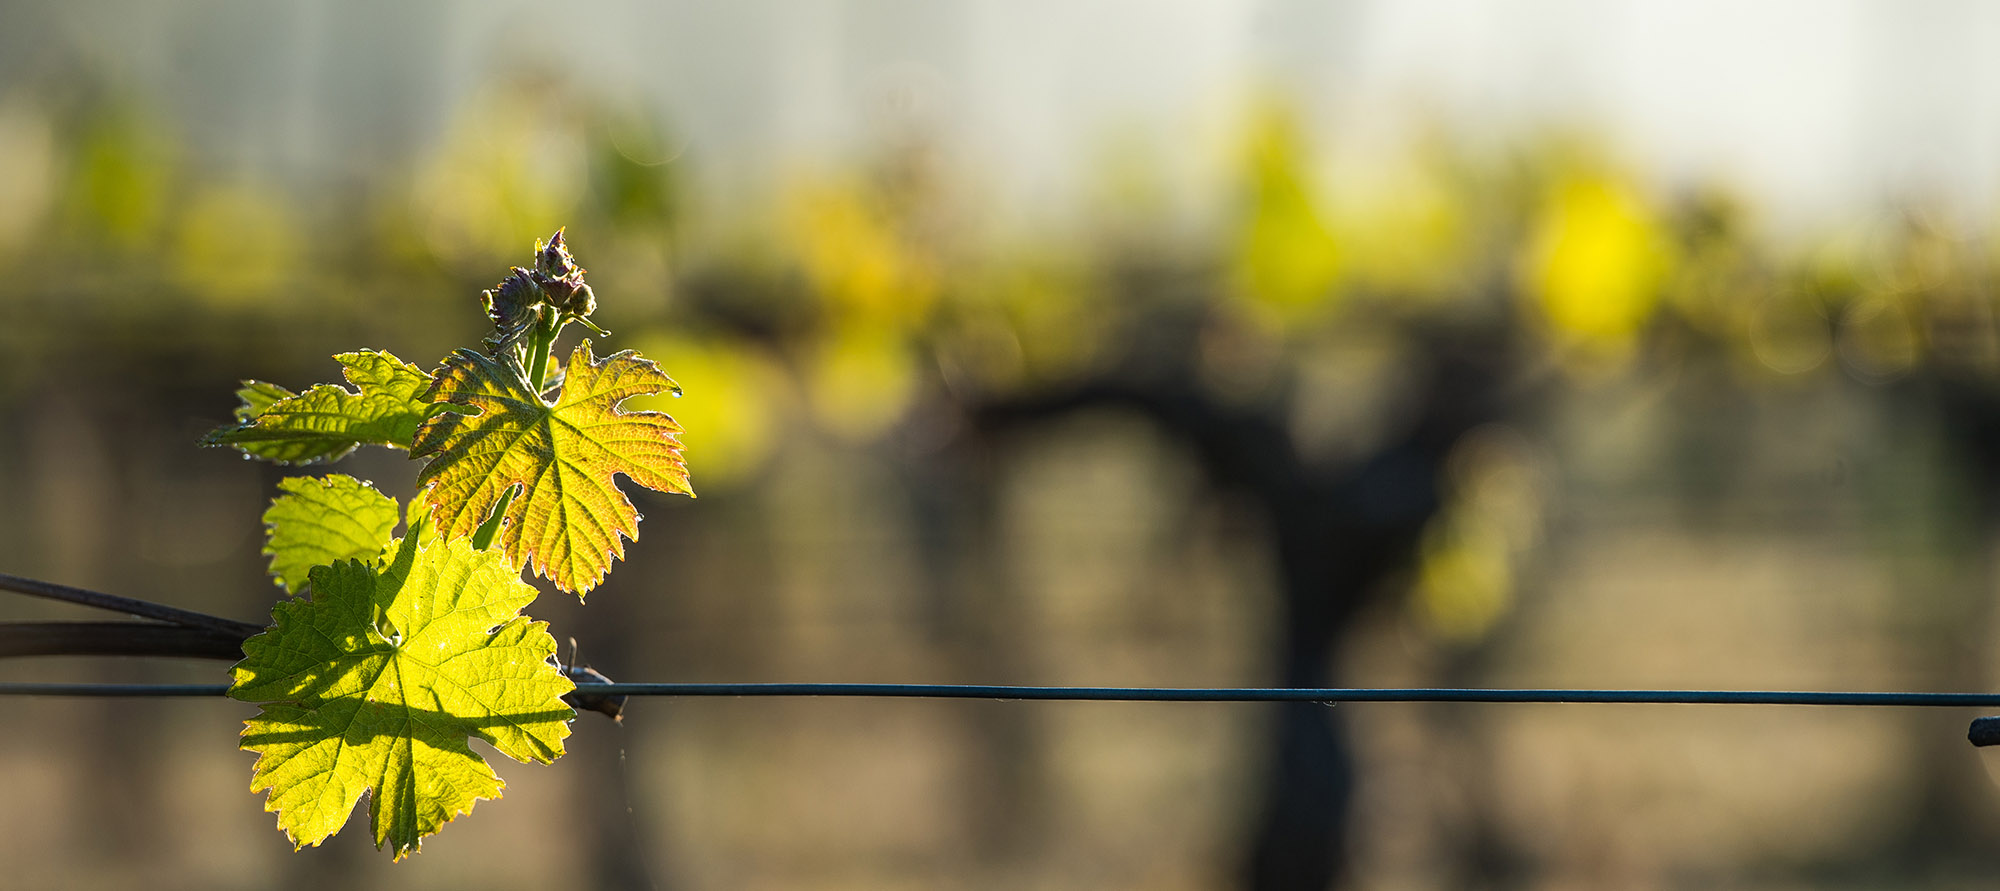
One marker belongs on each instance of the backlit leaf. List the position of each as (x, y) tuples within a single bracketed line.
[(376, 683), (569, 515), (258, 397), (324, 519), (328, 421)]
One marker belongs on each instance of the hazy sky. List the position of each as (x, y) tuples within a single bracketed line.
[(1812, 105)]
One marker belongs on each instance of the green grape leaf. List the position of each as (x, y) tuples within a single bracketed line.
[(258, 397), (568, 516), (324, 519), (328, 421), (376, 683)]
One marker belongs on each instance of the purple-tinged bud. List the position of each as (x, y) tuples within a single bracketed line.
[(515, 307), (552, 259)]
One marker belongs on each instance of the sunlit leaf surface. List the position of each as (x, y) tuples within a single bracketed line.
[(321, 520), (569, 515), (328, 421), (258, 397), (376, 683)]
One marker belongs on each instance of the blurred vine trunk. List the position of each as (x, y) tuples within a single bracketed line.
[(1957, 807), (1341, 534)]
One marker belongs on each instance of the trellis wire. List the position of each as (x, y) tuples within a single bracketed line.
[(144, 609), (1155, 694), (234, 629)]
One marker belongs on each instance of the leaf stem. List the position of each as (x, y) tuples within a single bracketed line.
[(539, 347)]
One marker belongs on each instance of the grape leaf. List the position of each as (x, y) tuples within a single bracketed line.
[(568, 515), (257, 397), (377, 681), (324, 519), (328, 421)]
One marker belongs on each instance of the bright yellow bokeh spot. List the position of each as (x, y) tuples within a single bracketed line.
[(855, 259), (235, 244), (861, 381), (1597, 263), (1286, 261), (726, 409), (1470, 558), (1465, 579)]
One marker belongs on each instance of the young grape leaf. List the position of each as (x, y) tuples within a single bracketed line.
[(257, 397), (377, 681), (328, 421), (324, 519), (568, 515)]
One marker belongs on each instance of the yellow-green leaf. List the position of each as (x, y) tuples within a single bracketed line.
[(328, 421), (569, 519), (375, 684), (323, 519), (258, 397)]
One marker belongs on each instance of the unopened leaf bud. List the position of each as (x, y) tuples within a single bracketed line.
[(552, 259)]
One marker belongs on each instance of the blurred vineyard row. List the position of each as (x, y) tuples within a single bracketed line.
[(1407, 364), (869, 296)]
